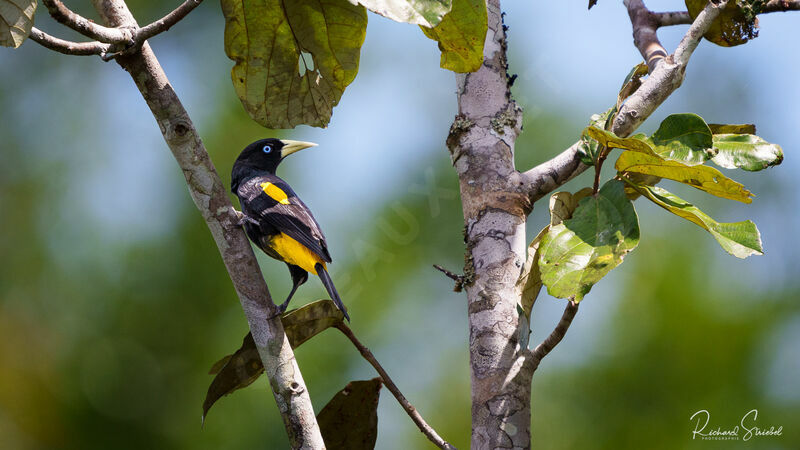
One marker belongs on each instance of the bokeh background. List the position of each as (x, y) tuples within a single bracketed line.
[(114, 302)]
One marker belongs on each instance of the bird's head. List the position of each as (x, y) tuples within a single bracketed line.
[(266, 154), (263, 156)]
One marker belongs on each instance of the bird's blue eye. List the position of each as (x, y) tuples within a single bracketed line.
[(267, 148)]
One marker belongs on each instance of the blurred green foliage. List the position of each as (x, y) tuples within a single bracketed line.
[(107, 331)]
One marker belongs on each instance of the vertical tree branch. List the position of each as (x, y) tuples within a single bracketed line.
[(481, 144), (210, 196)]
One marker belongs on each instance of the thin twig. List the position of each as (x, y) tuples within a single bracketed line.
[(459, 279), (387, 381), (68, 47), (555, 337), (86, 27), (166, 22), (124, 40)]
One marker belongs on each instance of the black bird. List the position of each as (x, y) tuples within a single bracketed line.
[(275, 218)]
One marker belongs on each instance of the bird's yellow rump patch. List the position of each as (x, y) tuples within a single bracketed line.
[(295, 253), (275, 193)]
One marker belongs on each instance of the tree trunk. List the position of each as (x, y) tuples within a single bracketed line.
[(481, 144)]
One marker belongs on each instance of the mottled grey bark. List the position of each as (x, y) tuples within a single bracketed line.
[(481, 143), (496, 200), (211, 198)]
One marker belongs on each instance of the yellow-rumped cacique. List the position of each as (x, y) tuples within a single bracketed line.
[(275, 218)]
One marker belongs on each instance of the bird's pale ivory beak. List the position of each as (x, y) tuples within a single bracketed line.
[(290, 146)]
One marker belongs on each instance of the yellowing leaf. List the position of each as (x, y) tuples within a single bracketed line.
[(294, 59), (744, 128), (461, 35), (704, 178), (740, 239), (426, 13), (732, 26), (631, 83), (636, 143), (16, 21)]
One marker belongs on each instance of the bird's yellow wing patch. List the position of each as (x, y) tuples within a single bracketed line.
[(275, 193), (295, 253)]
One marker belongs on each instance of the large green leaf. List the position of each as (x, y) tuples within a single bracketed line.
[(683, 137), (243, 367), (16, 21), (740, 239), (350, 420), (461, 35), (577, 253), (562, 205), (294, 59), (427, 13), (745, 151), (701, 177), (735, 25)]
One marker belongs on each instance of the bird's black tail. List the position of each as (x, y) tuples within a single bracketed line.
[(328, 283)]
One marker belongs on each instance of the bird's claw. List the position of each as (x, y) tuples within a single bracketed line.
[(242, 218)]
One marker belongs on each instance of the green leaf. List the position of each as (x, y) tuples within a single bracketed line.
[(745, 151), (562, 205), (733, 26), (16, 21), (576, 254), (588, 148), (701, 177), (636, 143), (740, 239), (350, 419), (242, 368), (294, 59), (744, 128), (461, 35), (427, 13), (683, 137)]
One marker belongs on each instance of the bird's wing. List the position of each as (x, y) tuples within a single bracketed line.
[(269, 200)]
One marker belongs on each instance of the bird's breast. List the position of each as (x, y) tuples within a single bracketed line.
[(295, 253)]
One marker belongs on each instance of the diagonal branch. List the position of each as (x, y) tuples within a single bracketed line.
[(412, 412), (666, 76), (68, 47), (211, 198), (781, 6), (556, 335)]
